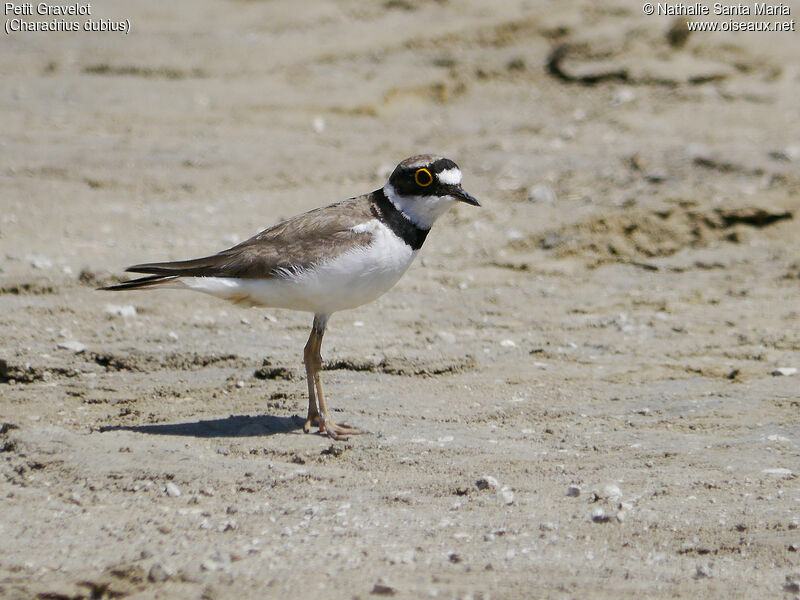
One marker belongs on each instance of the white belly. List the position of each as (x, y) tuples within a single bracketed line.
[(353, 278)]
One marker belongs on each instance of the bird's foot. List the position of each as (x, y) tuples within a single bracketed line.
[(339, 432), (334, 431)]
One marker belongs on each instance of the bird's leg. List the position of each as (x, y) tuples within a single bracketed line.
[(317, 409), (308, 359)]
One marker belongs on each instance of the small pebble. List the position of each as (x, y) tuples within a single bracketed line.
[(210, 565), (490, 537), (158, 573), (125, 311), (599, 515), (318, 124), (612, 492), (381, 589), (240, 384), (542, 193), (508, 344), (40, 262), (447, 337), (778, 471), (219, 561), (573, 491), (784, 371), (792, 584), (172, 490), (790, 153), (547, 526), (228, 526), (702, 572), (623, 96), (507, 496), (72, 346), (486, 482)]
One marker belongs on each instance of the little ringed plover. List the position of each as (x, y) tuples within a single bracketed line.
[(325, 260)]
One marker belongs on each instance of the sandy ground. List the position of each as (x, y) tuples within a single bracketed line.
[(582, 390)]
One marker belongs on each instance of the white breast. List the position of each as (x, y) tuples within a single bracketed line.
[(356, 276)]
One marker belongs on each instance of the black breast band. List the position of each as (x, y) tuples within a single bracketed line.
[(388, 214)]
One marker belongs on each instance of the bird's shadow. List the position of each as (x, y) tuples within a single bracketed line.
[(232, 426)]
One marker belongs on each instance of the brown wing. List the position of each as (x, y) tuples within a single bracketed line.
[(292, 245)]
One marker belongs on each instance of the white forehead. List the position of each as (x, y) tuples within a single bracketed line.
[(450, 176)]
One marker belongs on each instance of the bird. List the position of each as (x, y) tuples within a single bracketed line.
[(332, 258)]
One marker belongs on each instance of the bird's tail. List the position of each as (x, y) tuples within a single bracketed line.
[(142, 283)]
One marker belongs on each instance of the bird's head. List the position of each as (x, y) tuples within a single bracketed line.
[(423, 187)]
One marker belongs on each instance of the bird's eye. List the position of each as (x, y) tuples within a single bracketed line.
[(423, 177)]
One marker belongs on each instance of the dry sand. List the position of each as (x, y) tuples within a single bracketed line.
[(574, 393)]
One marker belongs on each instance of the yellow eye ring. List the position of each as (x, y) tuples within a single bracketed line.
[(423, 177)]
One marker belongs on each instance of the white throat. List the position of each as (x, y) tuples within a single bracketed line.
[(420, 210)]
